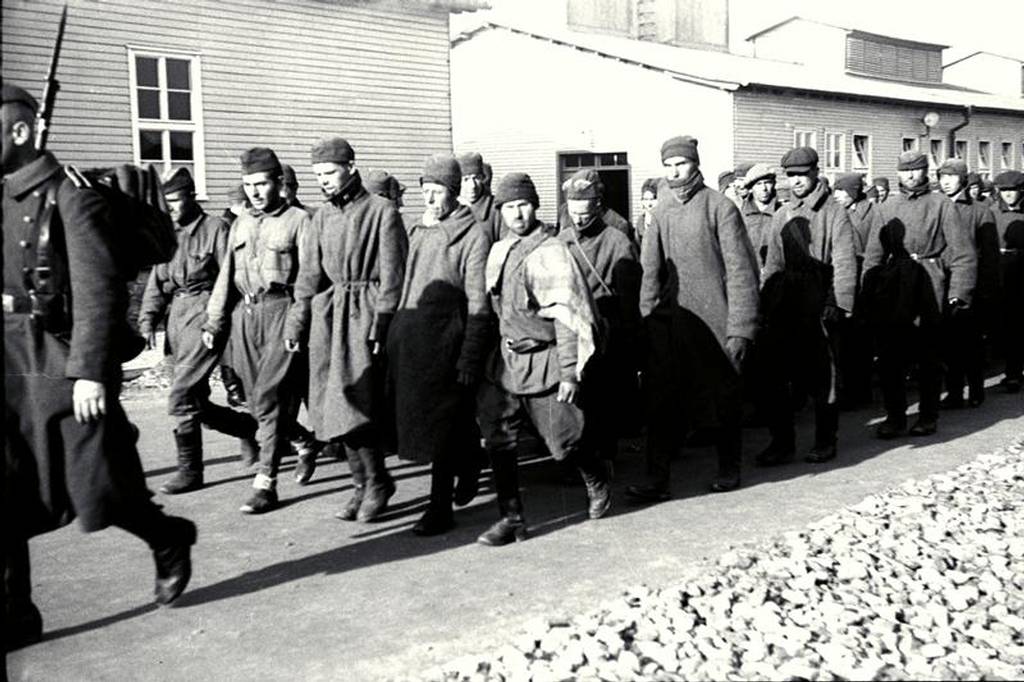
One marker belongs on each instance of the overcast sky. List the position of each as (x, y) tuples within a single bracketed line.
[(966, 26)]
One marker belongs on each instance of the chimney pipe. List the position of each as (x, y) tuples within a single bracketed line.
[(951, 139)]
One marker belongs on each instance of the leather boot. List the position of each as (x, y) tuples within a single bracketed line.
[(511, 527), (379, 485), (355, 465), (595, 476), (263, 498), (23, 624), (470, 466), (189, 440), (173, 560)]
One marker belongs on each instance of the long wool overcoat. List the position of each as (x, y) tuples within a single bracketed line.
[(353, 262), (442, 327), (699, 287)]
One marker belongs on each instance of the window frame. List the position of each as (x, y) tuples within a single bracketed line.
[(967, 151), (915, 146), (1005, 162), (986, 170), (826, 154), (165, 125), (861, 168), (935, 161), (813, 138)]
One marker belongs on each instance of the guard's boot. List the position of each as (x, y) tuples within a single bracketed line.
[(232, 386), (729, 448), (599, 492), (264, 496), (173, 560), (511, 527), (189, 476), (306, 448), (355, 464), (23, 625), (438, 518), (468, 484), (379, 485)]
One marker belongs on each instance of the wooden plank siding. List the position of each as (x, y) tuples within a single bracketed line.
[(275, 74), (765, 120)]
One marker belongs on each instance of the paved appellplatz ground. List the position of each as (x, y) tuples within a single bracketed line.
[(299, 595)]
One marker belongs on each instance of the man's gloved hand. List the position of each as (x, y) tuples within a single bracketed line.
[(736, 347)]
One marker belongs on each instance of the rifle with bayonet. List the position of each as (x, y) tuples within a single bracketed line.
[(45, 112)]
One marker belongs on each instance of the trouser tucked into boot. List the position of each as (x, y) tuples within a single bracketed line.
[(188, 438)]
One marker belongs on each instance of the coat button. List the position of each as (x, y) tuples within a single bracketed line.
[(25, 244), (26, 219), (35, 193)]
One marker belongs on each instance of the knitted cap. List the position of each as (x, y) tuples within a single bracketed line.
[(516, 186), (681, 145), (584, 184), (953, 167), (442, 169), (179, 181), (852, 184), (880, 182), (472, 164), (912, 160), (332, 150), (759, 171), (800, 160), (260, 160), (650, 185), (972, 179)]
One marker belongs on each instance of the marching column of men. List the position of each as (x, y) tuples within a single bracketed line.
[(452, 340)]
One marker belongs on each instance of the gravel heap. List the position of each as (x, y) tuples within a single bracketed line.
[(922, 581)]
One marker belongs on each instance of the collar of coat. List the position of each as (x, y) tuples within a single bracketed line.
[(750, 206), (455, 225), (815, 200), (349, 192), (962, 197), (915, 192), (31, 175), (483, 207), (281, 208)]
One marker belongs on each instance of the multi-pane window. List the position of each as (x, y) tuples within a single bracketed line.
[(1006, 156), (984, 158), (835, 148), (862, 154), (960, 150), (805, 138), (166, 112), (909, 144)]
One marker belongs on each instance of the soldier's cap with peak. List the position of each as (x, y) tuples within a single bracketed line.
[(799, 160), (14, 94), (260, 160), (332, 150), (179, 181), (516, 186), (583, 184), (680, 145), (472, 164), (759, 171), (953, 167), (912, 160), (1010, 180)]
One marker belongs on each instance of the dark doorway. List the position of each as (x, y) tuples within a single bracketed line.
[(613, 167)]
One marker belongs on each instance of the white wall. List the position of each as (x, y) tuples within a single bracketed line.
[(986, 72), (519, 101), (805, 42)]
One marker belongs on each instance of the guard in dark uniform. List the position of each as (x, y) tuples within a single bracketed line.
[(254, 288), (69, 449), (1009, 213), (181, 289)]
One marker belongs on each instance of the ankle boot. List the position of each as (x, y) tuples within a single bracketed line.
[(511, 527), (173, 560), (379, 485), (355, 465), (263, 497), (595, 477), (189, 477), (232, 386)]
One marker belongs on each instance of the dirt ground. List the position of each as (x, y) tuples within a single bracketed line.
[(297, 594)]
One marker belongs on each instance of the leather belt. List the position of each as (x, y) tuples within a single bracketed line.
[(17, 303), (269, 294)]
